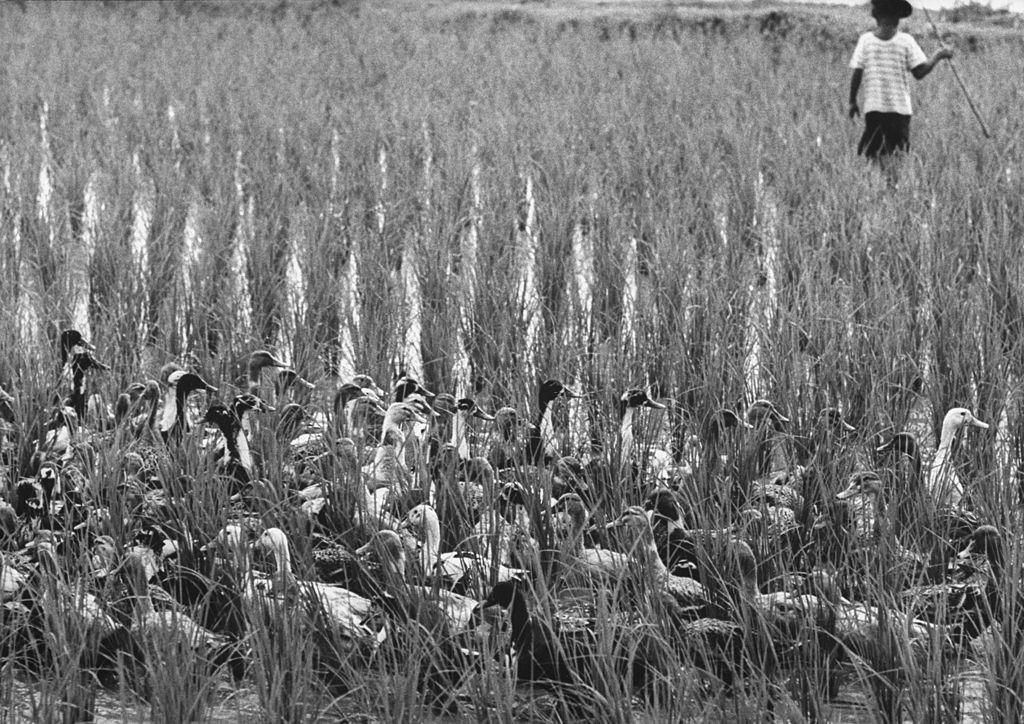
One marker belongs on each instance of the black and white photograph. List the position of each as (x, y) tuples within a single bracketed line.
[(511, 361)]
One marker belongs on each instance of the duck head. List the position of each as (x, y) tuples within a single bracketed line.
[(249, 403), (69, 339), (467, 407), (663, 503), (185, 383), (366, 383), (725, 419), (218, 414), (385, 547), (635, 398), (831, 420), (763, 413), (406, 387), (902, 443), (864, 482), (985, 540), (959, 417), (551, 390)]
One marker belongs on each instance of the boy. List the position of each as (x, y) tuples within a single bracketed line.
[(881, 60)]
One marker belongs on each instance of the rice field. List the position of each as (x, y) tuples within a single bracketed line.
[(483, 197)]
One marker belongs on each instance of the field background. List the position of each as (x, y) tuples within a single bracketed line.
[(770, 261)]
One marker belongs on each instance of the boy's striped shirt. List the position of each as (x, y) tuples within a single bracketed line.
[(886, 65)]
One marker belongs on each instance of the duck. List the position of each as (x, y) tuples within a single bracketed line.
[(767, 423), (502, 534), (244, 405), (944, 484), (688, 594), (141, 417), (420, 614), (708, 452), (542, 445), (69, 340), (605, 477), (12, 579), (965, 607), (290, 386), (899, 459), (236, 460), (180, 384), (80, 361), (630, 403), (350, 613), (388, 468), (540, 650), (456, 570), (61, 435), (569, 525), (352, 406), (127, 400), (150, 624), (259, 361), (61, 600), (877, 639), (388, 549), (466, 410), (506, 452)]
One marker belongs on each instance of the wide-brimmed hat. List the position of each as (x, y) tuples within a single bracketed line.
[(892, 8)]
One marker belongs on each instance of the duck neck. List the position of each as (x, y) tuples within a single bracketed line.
[(865, 508), (236, 444), (431, 541), (460, 438), (519, 615), (626, 435), (348, 416), (179, 403), (77, 400), (546, 428), (170, 414), (254, 379), (283, 576)]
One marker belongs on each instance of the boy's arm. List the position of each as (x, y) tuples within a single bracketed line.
[(920, 70), (858, 73)]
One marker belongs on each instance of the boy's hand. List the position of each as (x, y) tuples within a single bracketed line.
[(854, 109)]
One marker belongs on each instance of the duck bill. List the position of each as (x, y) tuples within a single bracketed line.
[(848, 493), (654, 405), (572, 394), (847, 427), (978, 423), (965, 555), (365, 549), (481, 415)]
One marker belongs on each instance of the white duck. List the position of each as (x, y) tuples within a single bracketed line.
[(452, 566), (347, 610), (388, 548), (944, 485)]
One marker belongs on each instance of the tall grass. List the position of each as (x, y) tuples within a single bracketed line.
[(668, 130)]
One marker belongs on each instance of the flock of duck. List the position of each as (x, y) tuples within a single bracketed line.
[(387, 517)]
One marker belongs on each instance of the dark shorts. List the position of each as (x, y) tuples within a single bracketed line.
[(884, 134)]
